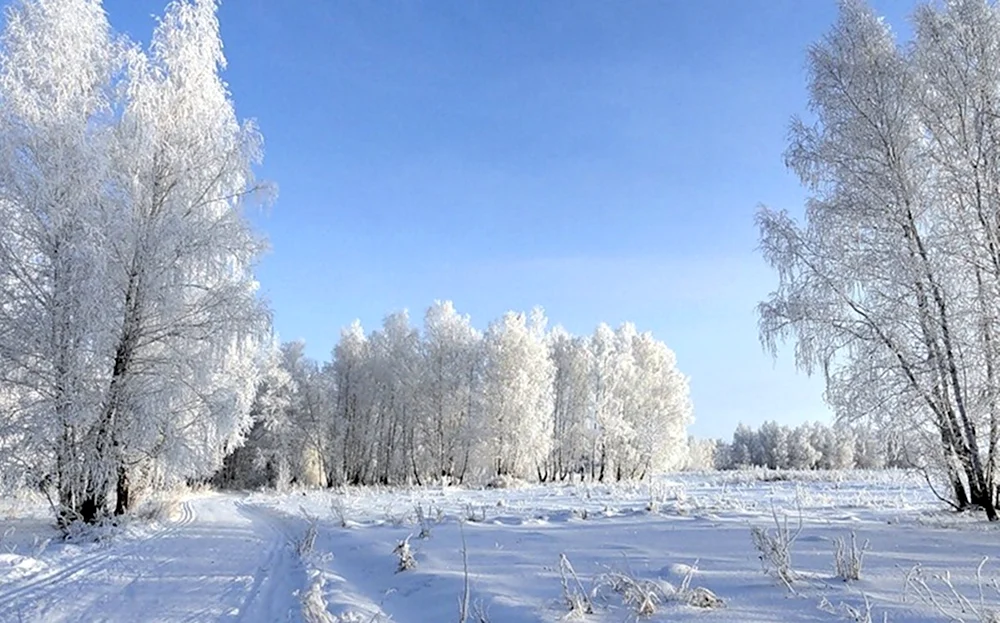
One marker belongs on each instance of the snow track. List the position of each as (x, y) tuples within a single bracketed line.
[(221, 560), (264, 601), (47, 582)]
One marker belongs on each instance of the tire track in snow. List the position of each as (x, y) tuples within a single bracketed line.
[(47, 583)]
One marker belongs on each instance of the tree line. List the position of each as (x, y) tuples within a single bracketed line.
[(450, 404), (809, 446)]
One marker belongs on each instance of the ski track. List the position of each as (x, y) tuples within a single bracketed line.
[(260, 602), (37, 586), (221, 560)]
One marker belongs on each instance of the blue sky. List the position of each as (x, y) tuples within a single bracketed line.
[(600, 159)]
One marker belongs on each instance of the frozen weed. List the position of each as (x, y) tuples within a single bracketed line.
[(480, 612), (652, 505), (393, 518), (424, 521), (775, 547), (81, 532), (405, 554), (339, 510), (861, 615), (158, 510), (9, 532), (576, 598), (848, 558), (941, 593), (305, 545), (38, 546), (852, 613), (697, 597), (641, 596), (463, 602), (472, 515)]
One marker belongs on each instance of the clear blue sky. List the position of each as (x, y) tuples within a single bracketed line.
[(600, 159)]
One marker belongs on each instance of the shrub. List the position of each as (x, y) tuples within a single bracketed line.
[(848, 558), (775, 547), (405, 554)]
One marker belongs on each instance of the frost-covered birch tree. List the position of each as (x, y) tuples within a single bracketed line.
[(888, 285), (55, 154), (395, 364), (189, 325), (309, 416), (444, 433), (127, 283), (806, 446), (609, 376), (516, 415), (272, 452), (662, 409), (352, 420), (641, 407), (573, 399)]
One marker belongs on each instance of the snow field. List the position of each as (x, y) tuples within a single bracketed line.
[(655, 532), (327, 555)]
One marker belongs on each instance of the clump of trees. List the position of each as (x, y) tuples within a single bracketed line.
[(810, 446), (451, 404), (130, 329), (890, 285), (135, 352)]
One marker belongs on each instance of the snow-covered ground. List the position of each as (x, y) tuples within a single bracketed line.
[(239, 557)]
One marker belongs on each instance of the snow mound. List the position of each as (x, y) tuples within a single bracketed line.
[(13, 566), (677, 571)]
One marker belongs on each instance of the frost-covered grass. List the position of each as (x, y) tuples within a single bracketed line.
[(677, 548), (633, 545)]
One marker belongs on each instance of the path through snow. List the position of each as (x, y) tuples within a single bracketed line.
[(221, 560)]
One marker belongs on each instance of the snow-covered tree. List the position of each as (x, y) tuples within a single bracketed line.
[(890, 285), (573, 398), (806, 446), (869, 451), (352, 421), (444, 430), (516, 414), (187, 319), (773, 441), (130, 324), (801, 452), (308, 419), (57, 64), (744, 452), (660, 410), (610, 373), (395, 363), (268, 455), (450, 404), (703, 454)]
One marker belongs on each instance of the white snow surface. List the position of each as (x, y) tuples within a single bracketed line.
[(237, 557)]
